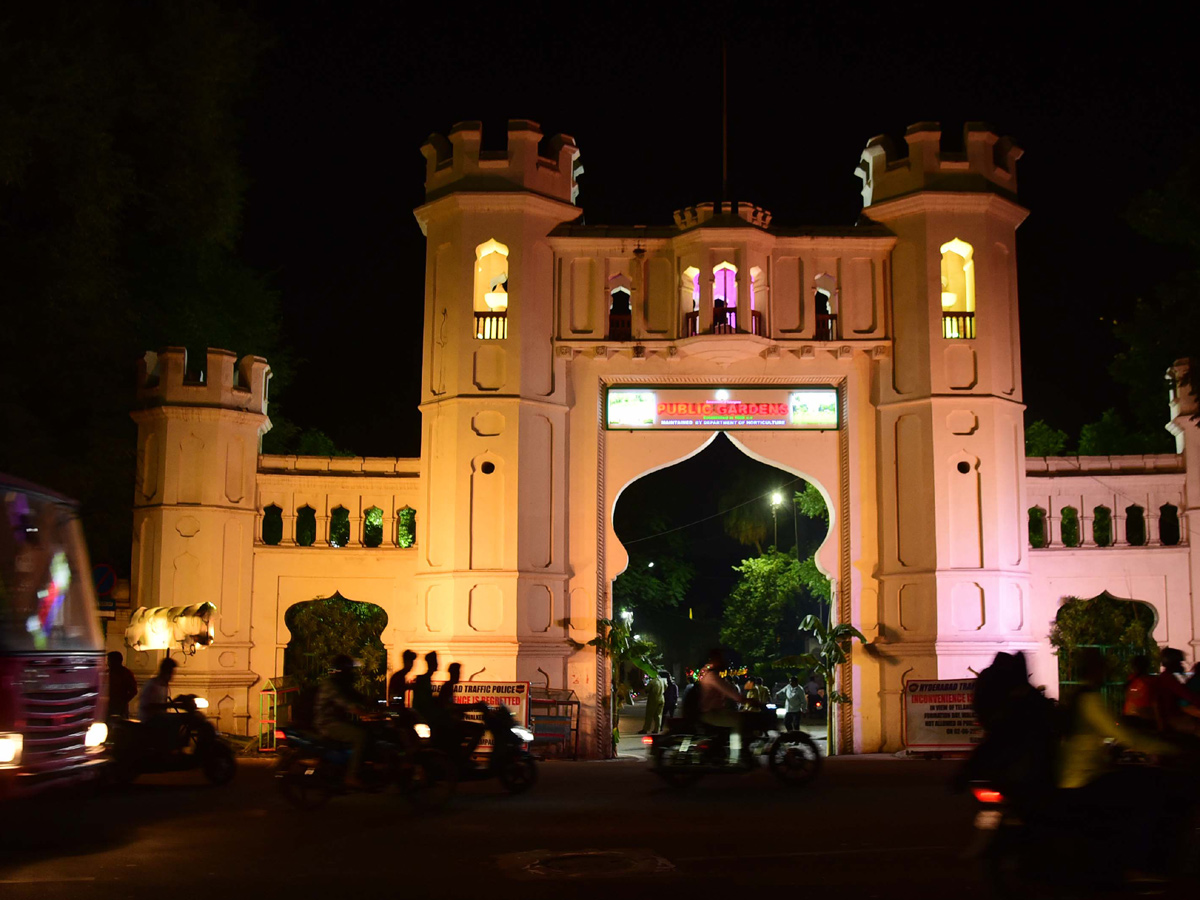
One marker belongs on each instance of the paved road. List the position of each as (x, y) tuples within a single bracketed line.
[(883, 827)]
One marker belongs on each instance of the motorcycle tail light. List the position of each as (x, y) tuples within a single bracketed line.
[(987, 795), (647, 739)]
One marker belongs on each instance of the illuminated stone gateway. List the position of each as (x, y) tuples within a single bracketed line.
[(563, 361)]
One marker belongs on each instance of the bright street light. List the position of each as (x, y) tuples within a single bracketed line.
[(776, 502), (627, 617), (650, 565)]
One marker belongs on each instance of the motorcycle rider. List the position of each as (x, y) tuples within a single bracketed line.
[(337, 705), (715, 696), (467, 734), (153, 704), (398, 684)]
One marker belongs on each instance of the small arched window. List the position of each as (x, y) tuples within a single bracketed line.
[(306, 526), (1102, 526), (958, 290), (1037, 527), (691, 317), (1135, 526), (406, 527), (1069, 525), (491, 293), (1168, 524), (339, 527), (825, 306), (373, 527), (272, 525), (620, 315)]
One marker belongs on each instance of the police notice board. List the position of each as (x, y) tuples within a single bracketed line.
[(939, 715)]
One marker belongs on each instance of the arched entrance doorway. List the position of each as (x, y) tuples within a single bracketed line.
[(324, 628), (1121, 629), (721, 552)]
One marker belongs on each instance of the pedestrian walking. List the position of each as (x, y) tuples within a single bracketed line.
[(654, 704), (670, 698), (794, 699)]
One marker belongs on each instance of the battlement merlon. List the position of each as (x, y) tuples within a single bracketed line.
[(988, 163), (457, 163), (227, 383)]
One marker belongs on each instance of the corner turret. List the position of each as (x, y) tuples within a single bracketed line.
[(227, 383), (988, 163), (458, 164)]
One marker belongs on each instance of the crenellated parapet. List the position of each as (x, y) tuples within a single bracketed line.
[(226, 382), (988, 163), (456, 163), (701, 213)]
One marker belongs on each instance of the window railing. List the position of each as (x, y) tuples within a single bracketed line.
[(620, 327), (725, 321), (958, 326), (491, 325), (826, 329)]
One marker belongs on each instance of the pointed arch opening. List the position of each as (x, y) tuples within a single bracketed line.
[(958, 290)]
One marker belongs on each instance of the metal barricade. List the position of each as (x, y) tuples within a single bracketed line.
[(275, 709)]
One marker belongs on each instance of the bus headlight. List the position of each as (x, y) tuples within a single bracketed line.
[(97, 734), (10, 749), (422, 730)]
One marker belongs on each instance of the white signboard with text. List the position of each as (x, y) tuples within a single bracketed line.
[(939, 715)]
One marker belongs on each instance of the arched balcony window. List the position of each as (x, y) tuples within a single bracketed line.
[(958, 290), (272, 525), (306, 526), (825, 306), (339, 527), (1069, 525), (491, 295), (1102, 526), (406, 527), (1135, 526), (1168, 525), (373, 527), (620, 315), (1037, 527)]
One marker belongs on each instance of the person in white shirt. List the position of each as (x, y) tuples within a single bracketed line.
[(156, 693), (794, 699)]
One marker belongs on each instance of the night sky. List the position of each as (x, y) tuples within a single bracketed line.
[(1104, 109)]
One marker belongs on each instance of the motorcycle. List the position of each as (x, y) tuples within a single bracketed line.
[(312, 769), (182, 739), (509, 760), (684, 753)]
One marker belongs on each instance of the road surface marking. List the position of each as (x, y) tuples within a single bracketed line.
[(848, 851)]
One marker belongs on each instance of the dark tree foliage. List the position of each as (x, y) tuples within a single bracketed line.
[(1126, 627), (659, 573), (120, 206), (323, 629), (1044, 440), (1165, 323)]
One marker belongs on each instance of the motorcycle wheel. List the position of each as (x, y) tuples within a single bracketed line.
[(518, 774), (219, 764), (429, 780), (305, 784), (794, 758), (674, 775)]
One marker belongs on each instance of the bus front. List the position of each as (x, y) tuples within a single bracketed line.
[(51, 649)]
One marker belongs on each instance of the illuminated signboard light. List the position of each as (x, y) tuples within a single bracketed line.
[(751, 408)]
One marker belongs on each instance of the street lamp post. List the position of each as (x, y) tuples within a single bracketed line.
[(776, 500)]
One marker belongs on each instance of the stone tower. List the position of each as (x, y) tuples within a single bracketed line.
[(194, 511), (954, 571), (492, 572)]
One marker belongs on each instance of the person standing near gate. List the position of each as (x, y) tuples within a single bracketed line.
[(794, 700), (654, 705), (670, 696)]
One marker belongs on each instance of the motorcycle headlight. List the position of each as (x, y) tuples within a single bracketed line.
[(422, 730), (10, 750), (201, 703), (523, 734), (97, 734)]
